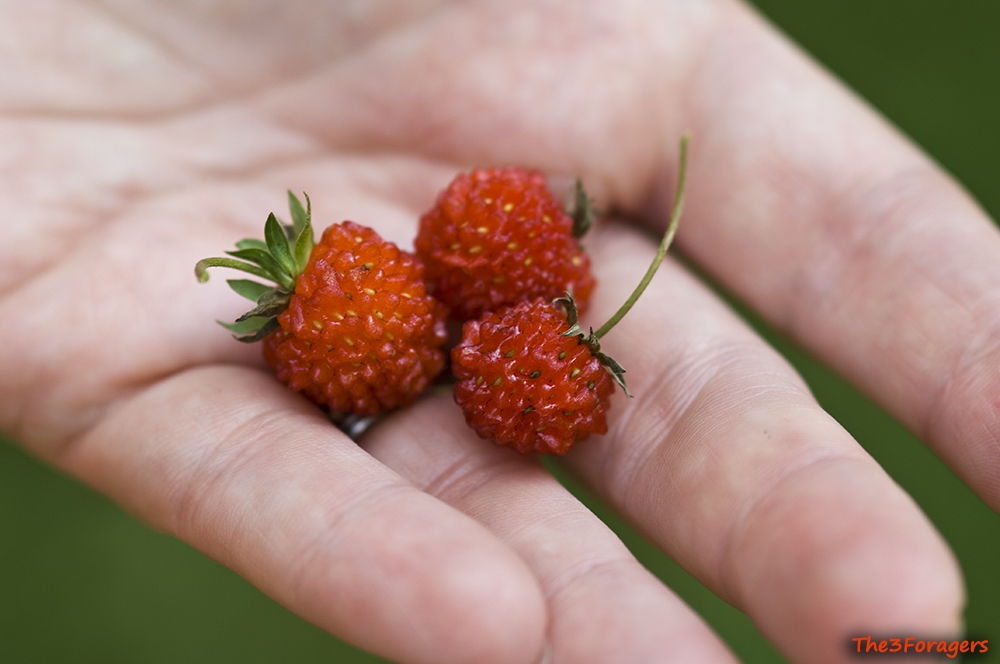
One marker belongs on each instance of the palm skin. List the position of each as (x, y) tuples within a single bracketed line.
[(141, 137)]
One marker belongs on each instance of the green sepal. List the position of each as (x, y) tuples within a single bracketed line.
[(616, 370), (277, 244), (581, 211), (302, 222), (251, 243), (251, 290), (300, 215), (269, 326), (303, 249), (270, 304), (274, 269), (572, 317), (248, 326)]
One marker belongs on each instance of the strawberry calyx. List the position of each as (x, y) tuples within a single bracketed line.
[(280, 258), (592, 339)]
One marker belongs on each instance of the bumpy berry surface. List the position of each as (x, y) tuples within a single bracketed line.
[(360, 333), (498, 237), (525, 386)]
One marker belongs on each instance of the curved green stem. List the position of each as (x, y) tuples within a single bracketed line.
[(668, 238), (201, 268)]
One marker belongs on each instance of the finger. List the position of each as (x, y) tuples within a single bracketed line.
[(725, 461), (859, 247), (603, 605), (232, 462)]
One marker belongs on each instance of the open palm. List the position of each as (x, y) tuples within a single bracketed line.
[(140, 137)]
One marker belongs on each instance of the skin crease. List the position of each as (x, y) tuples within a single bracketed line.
[(141, 136)]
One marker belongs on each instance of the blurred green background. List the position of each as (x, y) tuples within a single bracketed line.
[(82, 582)]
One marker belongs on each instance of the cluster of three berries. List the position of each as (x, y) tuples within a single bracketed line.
[(358, 325)]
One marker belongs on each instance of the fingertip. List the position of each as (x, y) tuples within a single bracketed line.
[(458, 595), (501, 607), (857, 557)]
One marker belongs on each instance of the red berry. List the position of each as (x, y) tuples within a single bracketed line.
[(531, 378), (360, 333), (525, 385), (350, 325), (498, 237)]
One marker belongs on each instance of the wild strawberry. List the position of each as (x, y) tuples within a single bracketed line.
[(525, 384), (349, 323), (498, 237), (530, 378)]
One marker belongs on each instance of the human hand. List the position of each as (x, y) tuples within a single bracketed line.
[(161, 412)]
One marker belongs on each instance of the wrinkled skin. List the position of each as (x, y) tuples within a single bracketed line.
[(141, 136)]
